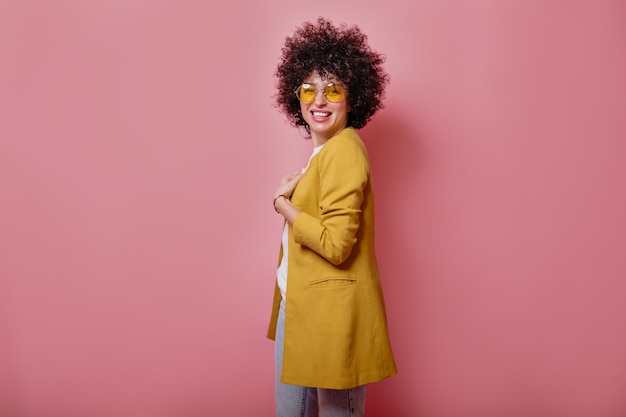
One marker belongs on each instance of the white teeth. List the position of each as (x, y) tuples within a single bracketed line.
[(320, 114)]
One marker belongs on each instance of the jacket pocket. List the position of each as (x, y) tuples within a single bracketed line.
[(332, 282)]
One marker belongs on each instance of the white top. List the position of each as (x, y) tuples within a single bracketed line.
[(281, 273)]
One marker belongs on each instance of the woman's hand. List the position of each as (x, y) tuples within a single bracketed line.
[(281, 197), (288, 184)]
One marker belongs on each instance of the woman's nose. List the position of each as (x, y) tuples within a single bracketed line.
[(320, 98)]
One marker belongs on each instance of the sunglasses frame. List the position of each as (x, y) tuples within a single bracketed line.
[(323, 91)]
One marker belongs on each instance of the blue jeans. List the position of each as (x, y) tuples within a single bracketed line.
[(297, 401)]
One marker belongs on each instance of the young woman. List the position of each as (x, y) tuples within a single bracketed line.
[(328, 317)]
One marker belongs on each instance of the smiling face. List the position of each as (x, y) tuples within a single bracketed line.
[(325, 118)]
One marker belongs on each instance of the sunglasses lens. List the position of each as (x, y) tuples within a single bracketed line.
[(306, 93), (333, 93)]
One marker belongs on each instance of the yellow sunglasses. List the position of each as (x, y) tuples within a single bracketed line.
[(306, 93)]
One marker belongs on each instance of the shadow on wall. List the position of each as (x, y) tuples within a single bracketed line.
[(8, 380), (393, 145)]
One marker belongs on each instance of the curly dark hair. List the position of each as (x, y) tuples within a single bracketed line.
[(341, 51)]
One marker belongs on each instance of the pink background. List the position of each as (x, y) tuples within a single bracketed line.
[(139, 149)]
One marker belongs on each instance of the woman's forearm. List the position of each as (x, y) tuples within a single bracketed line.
[(283, 206)]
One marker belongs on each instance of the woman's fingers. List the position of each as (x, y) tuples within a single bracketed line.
[(288, 183), (290, 177)]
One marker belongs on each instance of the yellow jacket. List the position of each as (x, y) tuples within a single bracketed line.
[(335, 322)]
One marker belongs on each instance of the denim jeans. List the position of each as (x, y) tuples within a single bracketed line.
[(297, 401)]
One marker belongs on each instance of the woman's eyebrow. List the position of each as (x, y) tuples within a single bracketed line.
[(322, 83)]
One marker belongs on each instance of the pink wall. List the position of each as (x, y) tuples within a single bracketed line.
[(139, 150)]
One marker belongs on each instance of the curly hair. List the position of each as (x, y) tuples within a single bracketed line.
[(327, 49)]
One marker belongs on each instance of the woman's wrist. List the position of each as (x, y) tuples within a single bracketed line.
[(276, 198)]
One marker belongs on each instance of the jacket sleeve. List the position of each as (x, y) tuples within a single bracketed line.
[(344, 174)]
